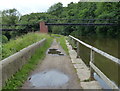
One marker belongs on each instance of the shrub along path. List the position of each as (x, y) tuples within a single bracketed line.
[(55, 72)]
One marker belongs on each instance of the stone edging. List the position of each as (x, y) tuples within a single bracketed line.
[(83, 71)]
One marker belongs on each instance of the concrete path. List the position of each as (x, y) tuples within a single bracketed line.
[(55, 72)]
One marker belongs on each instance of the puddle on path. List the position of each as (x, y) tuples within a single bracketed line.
[(49, 78), (55, 52)]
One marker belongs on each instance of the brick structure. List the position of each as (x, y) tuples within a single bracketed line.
[(43, 27)]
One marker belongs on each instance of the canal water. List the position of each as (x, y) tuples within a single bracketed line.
[(108, 45)]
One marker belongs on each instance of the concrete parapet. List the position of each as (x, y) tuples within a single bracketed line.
[(13, 63)]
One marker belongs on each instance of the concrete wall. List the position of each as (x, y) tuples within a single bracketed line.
[(15, 62)]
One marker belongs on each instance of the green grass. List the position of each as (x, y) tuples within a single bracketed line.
[(55, 35), (72, 43), (14, 46), (63, 43), (21, 76)]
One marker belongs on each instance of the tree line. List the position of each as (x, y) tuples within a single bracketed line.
[(80, 10), (87, 10)]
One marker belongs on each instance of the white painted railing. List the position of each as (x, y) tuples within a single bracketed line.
[(92, 65)]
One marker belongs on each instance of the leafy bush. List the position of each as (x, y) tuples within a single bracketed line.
[(4, 39)]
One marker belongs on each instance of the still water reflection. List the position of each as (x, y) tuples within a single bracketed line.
[(49, 78), (108, 45)]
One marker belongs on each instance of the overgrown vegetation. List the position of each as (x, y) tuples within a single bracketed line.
[(10, 16), (16, 81), (19, 43), (61, 40)]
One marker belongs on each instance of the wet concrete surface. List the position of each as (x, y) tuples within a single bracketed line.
[(54, 72), (49, 78), (55, 52)]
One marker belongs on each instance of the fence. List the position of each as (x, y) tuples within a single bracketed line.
[(93, 67)]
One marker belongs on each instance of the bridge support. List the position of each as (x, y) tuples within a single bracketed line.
[(43, 27)]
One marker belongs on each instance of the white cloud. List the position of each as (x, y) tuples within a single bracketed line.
[(29, 6)]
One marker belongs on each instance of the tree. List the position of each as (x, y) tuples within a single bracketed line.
[(10, 16), (55, 9)]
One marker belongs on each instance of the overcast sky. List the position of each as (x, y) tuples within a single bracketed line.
[(30, 6)]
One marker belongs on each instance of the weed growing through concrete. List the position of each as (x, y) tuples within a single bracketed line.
[(62, 42)]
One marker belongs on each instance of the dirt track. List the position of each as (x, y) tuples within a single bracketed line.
[(61, 64)]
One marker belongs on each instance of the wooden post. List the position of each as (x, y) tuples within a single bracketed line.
[(92, 61), (78, 49)]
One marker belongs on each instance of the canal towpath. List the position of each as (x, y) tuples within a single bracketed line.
[(55, 72), (60, 71)]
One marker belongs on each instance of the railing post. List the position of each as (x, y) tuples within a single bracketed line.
[(69, 39), (78, 49), (92, 61), (72, 42)]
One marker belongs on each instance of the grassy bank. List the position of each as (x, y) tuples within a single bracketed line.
[(16, 81), (21, 42), (62, 42)]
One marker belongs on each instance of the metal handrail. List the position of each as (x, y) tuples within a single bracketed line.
[(92, 65), (114, 59)]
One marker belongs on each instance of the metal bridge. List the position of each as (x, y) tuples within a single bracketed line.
[(81, 24), (85, 22)]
